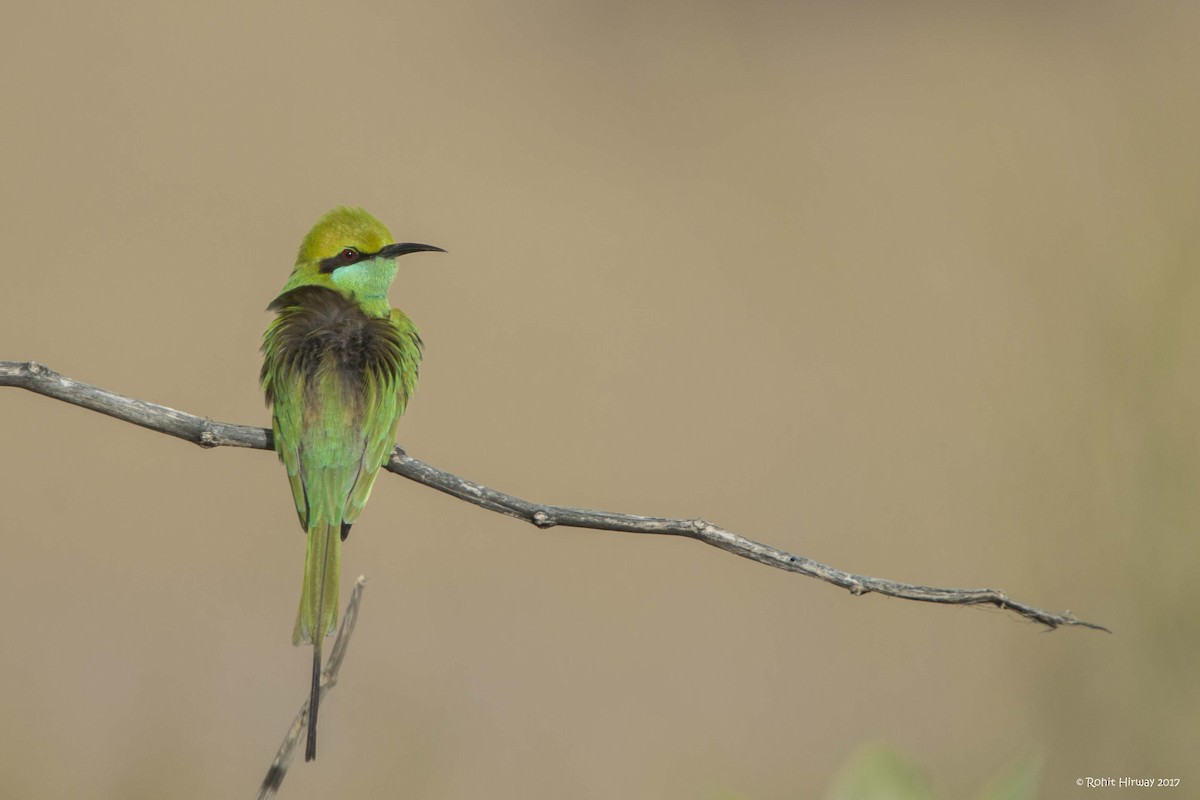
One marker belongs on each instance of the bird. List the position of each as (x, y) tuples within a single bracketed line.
[(339, 368)]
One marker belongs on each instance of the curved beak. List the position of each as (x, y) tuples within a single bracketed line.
[(400, 248)]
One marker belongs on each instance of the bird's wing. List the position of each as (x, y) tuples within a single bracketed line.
[(284, 393)]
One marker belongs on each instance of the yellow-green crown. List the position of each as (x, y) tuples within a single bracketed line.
[(341, 228)]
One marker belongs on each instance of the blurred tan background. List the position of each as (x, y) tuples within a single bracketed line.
[(909, 291)]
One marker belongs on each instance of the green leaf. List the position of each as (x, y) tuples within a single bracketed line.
[(876, 772)]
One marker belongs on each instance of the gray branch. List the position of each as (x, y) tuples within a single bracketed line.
[(207, 433), (329, 678)]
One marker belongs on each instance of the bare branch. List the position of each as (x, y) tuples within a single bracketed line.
[(329, 679), (198, 430), (206, 433)]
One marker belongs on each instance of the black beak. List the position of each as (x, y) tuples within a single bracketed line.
[(400, 248)]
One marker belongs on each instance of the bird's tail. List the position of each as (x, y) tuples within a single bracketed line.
[(318, 613)]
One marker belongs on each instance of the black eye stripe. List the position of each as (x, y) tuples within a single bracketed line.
[(344, 258)]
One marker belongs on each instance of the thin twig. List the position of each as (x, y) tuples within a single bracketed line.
[(206, 433), (329, 678)]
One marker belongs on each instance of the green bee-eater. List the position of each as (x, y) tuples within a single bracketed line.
[(338, 370)]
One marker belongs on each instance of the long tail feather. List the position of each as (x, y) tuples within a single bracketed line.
[(317, 617), (314, 703)]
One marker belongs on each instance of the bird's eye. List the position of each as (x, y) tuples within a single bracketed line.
[(349, 253)]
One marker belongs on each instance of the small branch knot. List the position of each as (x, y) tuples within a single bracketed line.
[(542, 520), (208, 438), (34, 368)]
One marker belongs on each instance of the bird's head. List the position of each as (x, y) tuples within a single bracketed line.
[(350, 251)]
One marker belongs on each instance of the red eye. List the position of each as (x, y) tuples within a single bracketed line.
[(349, 253)]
